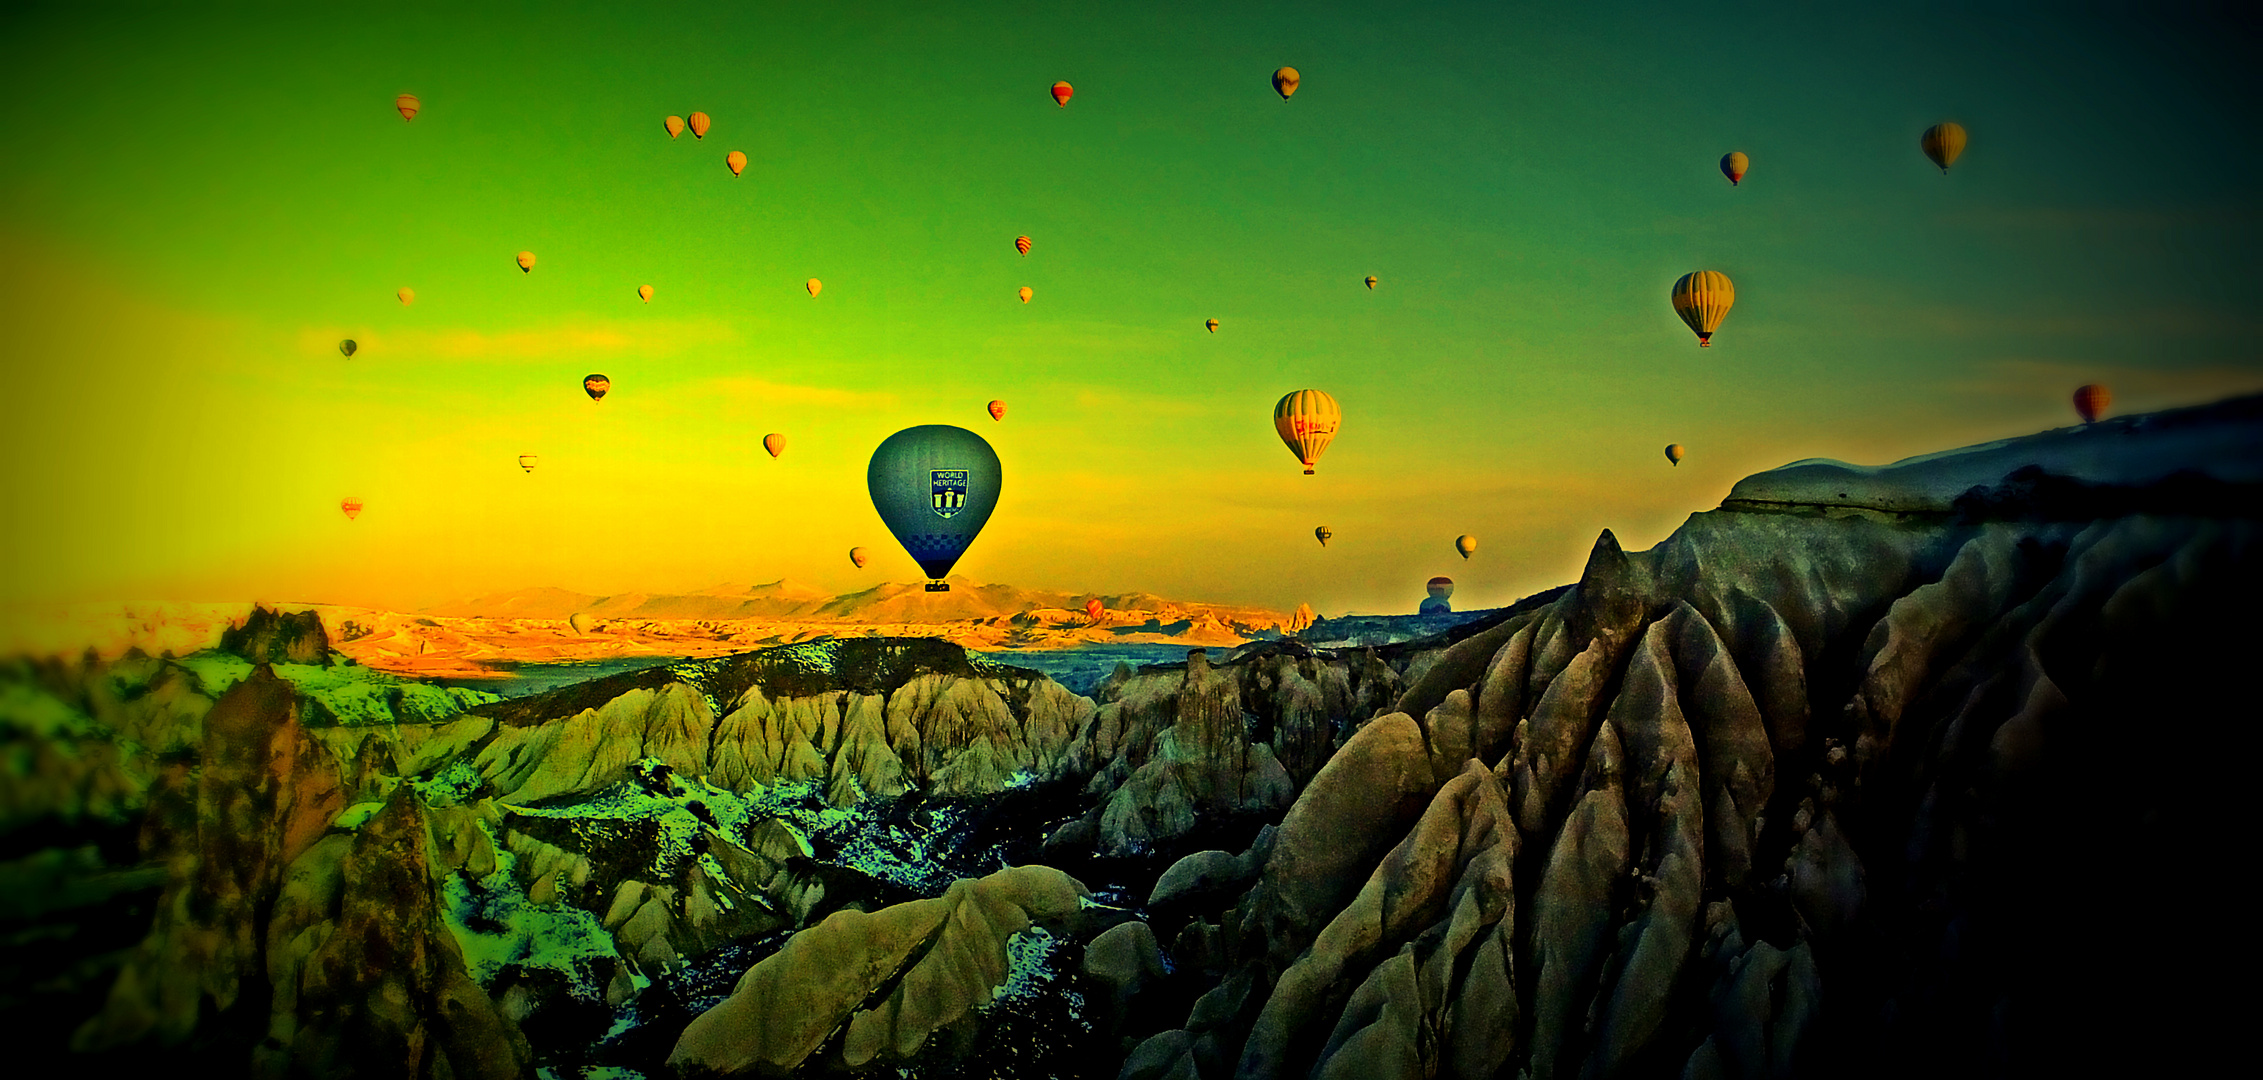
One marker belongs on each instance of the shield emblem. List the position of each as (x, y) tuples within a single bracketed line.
[(948, 490)]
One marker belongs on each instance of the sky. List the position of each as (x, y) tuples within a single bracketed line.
[(196, 208)]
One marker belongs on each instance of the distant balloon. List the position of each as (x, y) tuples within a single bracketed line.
[(1733, 165), (814, 286), (997, 410), (1943, 142), (1440, 588), (1674, 453), (1026, 294), (858, 555), (935, 485), (1021, 244), (674, 124), (699, 125), (347, 346), (1307, 421), (775, 443), (1285, 82), (526, 461), (408, 104), (1466, 544), (1210, 325), (2091, 401), (526, 262), (407, 295), (581, 622), (352, 507), (1324, 532), (1370, 281), (1061, 94), (596, 386), (644, 292), (1093, 608), (1702, 298), (736, 161)]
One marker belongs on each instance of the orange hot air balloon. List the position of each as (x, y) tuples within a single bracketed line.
[(1733, 165), (1307, 420), (2092, 400), (1093, 608), (526, 461), (997, 410), (1285, 82), (644, 292), (1674, 453), (1021, 244), (408, 104), (858, 555), (775, 443), (736, 161), (699, 125), (674, 124), (814, 286), (1061, 94), (1210, 325), (1026, 293), (596, 386), (352, 507), (407, 295), (526, 262)]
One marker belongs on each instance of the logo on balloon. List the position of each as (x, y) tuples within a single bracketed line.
[(948, 488)]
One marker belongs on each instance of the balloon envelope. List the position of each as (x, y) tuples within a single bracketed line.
[(644, 292), (1674, 453), (1210, 325), (1307, 421), (935, 485), (2090, 401), (1093, 608), (858, 555), (347, 346), (526, 461), (408, 104), (526, 261), (1323, 532), (699, 125), (352, 507), (1061, 94), (1021, 244), (775, 443), (1285, 82), (1026, 294), (407, 295), (997, 410), (674, 124), (1466, 544), (736, 161), (1733, 165), (1943, 142), (581, 622), (1702, 299), (1370, 281), (596, 386), (1440, 587), (814, 286)]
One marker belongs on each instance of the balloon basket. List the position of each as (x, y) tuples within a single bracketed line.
[(938, 586)]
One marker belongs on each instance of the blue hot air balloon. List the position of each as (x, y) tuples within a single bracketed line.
[(935, 485)]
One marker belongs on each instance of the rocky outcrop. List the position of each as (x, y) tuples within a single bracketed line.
[(268, 636), (1202, 765)]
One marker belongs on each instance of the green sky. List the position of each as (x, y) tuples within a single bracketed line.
[(196, 208)]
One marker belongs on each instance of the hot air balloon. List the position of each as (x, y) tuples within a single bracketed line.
[(1466, 544), (596, 386), (1440, 588), (736, 161), (1702, 298), (1674, 453), (581, 622), (814, 286), (1061, 94), (858, 555), (1210, 325), (1324, 532), (699, 125), (1026, 294), (935, 485), (1370, 281), (526, 461), (997, 410), (408, 104), (1943, 142), (775, 443), (2092, 400), (407, 295), (1093, 608), (352, 507), (644, 292), (1733, 165), (1307, 421), (526, 262), (674, 124), (347, 346), (1021, 244), (1285, 82)]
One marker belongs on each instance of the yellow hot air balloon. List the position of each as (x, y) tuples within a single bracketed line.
[(1943, 142), (674, 124), (736, 161), (1733, 165), (1285, 82), (1702, 299), (408, 104), (1307, 421), (1323, 532), (1466, 544), (775, 443), (1026, 294), (858, 555), (526, 461), (1674, 453), (407, 295), (1210, 325), (699, 125), (1370, 281), (526, 262), (644, 292), (813, 286)]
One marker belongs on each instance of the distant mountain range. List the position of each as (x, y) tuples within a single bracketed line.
[(786, 601)]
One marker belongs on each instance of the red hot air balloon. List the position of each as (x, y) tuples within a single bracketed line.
[(352, 507), (997, 410), (1021, 244), (1061, 94), (1093, 608), (2092, 400)]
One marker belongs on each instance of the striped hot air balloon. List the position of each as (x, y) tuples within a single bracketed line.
[(352, 507), (408, 105), (1021, 244), (1307, 421), (775, 443), (1061, 92), (735, 161), (1702, 299), (698, 125), (2091, 401), (1942, 142), (596, 386)]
